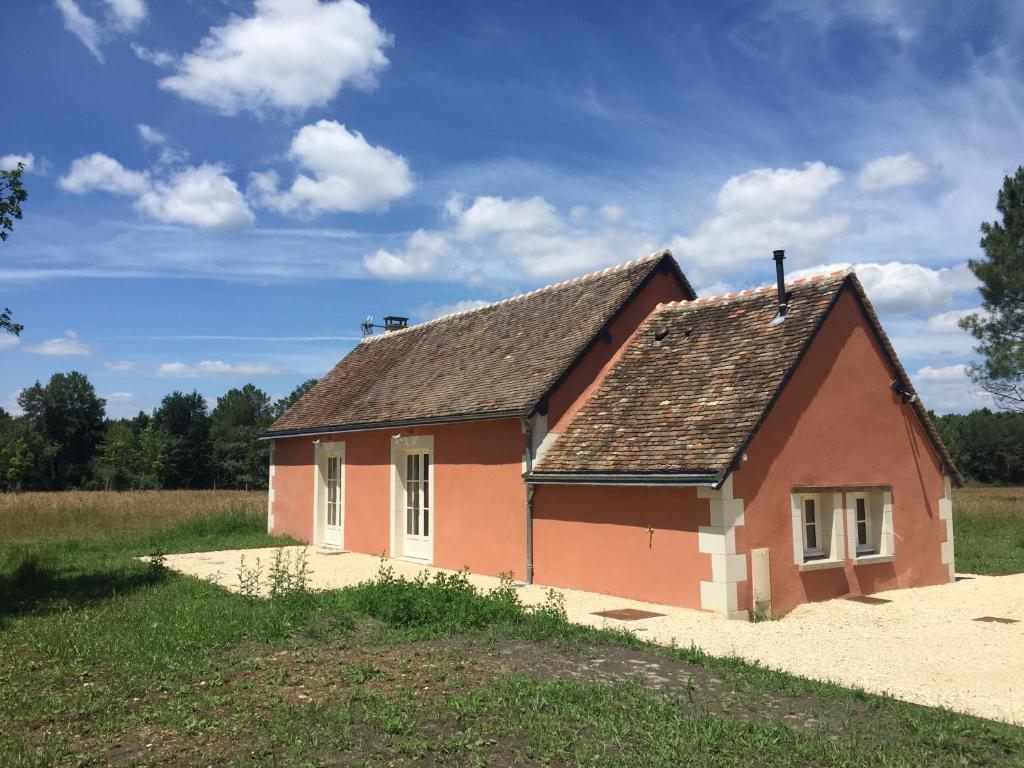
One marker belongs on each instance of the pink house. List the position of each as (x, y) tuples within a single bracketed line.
[(614, 433)]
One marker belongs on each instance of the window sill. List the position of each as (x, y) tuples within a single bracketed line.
[(871, 559), (821, 565)]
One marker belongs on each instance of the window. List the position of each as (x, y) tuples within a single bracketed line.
[(869, 524), (818, 529), (333, 483), (863, 525), (811, 547)]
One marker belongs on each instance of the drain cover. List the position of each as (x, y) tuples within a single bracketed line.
[(997, 619), (627, 614), (868, 600)]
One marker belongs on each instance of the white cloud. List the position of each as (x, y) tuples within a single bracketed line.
[(949, 322), (121, 404), (200, 196), (151, 135), (948, 389), (893, 171), (127, 14), (68, 345), (422, 254), (761, 210), (215, 368), (496, 238), (348, 174), (121, 16), (901, 287), (10, 162), (495, 215), (8, 341), (121, 366), (152, 56), (101, 172), (289, 55), (81, 26), (432, 311)]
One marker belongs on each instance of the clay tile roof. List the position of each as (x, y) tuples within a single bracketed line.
[(690, 403), (498, 360)]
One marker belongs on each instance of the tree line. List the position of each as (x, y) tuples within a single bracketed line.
[(63, 439), (987, 446)]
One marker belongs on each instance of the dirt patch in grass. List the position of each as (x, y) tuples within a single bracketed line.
[(363, 698)]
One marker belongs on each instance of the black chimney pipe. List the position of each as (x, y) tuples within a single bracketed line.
[(780, 278)]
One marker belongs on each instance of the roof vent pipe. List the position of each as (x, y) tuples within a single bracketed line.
[(780, 278)]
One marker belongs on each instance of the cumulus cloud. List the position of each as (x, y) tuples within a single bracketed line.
[(289, 55), (8, 341), (215, 368), (901, 287), (347, 174), (497, 238), (101, 172), (893, 171), (949, 322), (763, 209), (948, 389), (68, 345), (200, 196), (10, 162)]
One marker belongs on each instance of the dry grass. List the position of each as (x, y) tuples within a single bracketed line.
[(987, 500), (75, 513)]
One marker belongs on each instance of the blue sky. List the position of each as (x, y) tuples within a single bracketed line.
[(220, 191)]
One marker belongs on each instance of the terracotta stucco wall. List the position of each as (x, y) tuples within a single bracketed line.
[(574, 390), (598, 539), (837, 423), (479, 495)]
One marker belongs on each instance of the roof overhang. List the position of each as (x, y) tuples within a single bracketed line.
[(339, 428), (678, 479)]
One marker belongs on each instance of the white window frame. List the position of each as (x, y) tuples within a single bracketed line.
[(829, 551), (401, 446), (868, 546), (817, 551), (322, 451), (881, 547)]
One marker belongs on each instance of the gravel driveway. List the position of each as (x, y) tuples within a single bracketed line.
[(924, 646)]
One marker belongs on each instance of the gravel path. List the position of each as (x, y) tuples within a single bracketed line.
[(924, 646)]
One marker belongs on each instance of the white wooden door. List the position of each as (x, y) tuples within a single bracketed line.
[(419, 523), (333, 500)]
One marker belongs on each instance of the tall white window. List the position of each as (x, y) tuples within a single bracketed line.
[(812, 546), (333, 487), (863, 517)]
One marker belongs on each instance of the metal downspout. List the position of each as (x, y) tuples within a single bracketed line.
[(528, 431)]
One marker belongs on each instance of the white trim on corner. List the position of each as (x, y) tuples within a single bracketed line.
[(718, 539), (947, 548)]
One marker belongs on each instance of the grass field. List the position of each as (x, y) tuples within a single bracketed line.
[(988, 526), (108, 660)]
